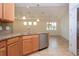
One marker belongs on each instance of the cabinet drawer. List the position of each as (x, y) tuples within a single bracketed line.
[(27, 37), (12, 40), (2, 44)]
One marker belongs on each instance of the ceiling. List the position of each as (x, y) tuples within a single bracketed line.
[(42, 10), (40, 4)]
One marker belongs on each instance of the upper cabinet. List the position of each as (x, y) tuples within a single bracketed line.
[(0, 11), (7, 12)]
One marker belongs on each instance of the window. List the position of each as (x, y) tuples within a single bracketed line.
[(51, 25)]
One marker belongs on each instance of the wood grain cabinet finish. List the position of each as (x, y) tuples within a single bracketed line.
[(8, 12), (18, 46), (12, 40), (2, 48), (3, 51), (35, 43), (27, 46), (30, 44), (13, 47), (0, 11), (2, 44)]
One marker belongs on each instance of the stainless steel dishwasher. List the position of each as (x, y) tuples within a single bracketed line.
[(43, 40)]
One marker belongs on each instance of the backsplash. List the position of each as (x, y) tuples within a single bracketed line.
[(6, 28)]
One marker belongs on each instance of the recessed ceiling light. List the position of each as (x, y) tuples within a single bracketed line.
[(23, 17)]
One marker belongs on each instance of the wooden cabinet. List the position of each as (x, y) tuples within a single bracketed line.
[(0, 11), (21, 45), (2, 48), (8, 12), (27, 45), (13, 47), (35, 43), (30, 44), (3, 51)]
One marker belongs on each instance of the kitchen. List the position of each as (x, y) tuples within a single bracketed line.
[(34, 29)]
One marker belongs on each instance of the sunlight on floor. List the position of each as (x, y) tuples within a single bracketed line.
[(57, 47)]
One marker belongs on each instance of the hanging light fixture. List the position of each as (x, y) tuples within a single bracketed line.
[(25, 23), (34, 23), (38, 20), (29, 23), (23, 17)]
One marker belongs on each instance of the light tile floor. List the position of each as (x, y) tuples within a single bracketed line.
[(57, 47)]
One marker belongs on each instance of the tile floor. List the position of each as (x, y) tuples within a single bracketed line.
[(57, 47)]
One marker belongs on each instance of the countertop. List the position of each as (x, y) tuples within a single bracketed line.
[(10, 35)]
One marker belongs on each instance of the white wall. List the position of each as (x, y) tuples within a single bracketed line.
[(53, 13), (73, 28), (65, 26)]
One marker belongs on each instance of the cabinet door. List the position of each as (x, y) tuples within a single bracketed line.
[(0, 11), (27, 46), (35, 43), (8, 12), (13, 49), (3, 51)]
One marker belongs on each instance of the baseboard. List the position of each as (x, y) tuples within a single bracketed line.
[(58, 36), (54, 35), (43, 48)]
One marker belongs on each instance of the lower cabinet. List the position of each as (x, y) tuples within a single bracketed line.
[(30, 44), (3, 51), (27, 46), (35, 43), (13, 49), (18, 46), (2, 48)]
